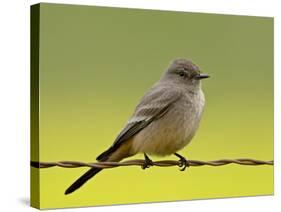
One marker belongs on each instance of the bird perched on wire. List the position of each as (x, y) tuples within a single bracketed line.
[(164, 121)]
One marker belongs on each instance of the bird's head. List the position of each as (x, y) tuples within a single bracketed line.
[(183, 71)]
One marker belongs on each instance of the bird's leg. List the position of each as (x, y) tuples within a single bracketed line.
[(147, 162), (183, 162)]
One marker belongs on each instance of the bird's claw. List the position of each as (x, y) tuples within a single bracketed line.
[(147, 162), (183, 162)]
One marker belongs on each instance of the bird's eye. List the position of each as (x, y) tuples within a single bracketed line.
[(182, 74)]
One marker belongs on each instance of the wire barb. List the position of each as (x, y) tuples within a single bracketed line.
[(162, 163)]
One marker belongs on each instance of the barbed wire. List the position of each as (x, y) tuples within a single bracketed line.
[(162, 163)]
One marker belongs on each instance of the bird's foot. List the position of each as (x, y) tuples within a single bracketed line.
[(183, 162), (147, 162)]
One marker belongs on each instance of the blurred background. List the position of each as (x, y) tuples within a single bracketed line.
[(95, 65)]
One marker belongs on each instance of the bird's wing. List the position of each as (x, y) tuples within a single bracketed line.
[(152, 106)]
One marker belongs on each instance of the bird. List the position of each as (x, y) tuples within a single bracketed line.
[(164, 121)]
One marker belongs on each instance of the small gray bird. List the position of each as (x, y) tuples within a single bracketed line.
[(164, 121)]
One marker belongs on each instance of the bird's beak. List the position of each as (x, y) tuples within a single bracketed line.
[(201, 76)]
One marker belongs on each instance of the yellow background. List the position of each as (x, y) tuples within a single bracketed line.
[(96, 63)]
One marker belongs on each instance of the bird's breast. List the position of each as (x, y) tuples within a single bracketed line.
[(173, 131)]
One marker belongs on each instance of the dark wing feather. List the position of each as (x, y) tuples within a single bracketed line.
[(152, 106)]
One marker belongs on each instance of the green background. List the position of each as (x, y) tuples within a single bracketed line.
[(96, 63)]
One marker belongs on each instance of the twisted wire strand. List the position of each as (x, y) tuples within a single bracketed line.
[(162, 163)]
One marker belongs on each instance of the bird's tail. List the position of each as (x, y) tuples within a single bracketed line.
[(81, 180), (108, 155), (84, 178)]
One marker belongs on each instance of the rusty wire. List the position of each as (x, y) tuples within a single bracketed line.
[(162, 163)]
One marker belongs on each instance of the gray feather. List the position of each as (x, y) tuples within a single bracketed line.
[(154, 104)]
